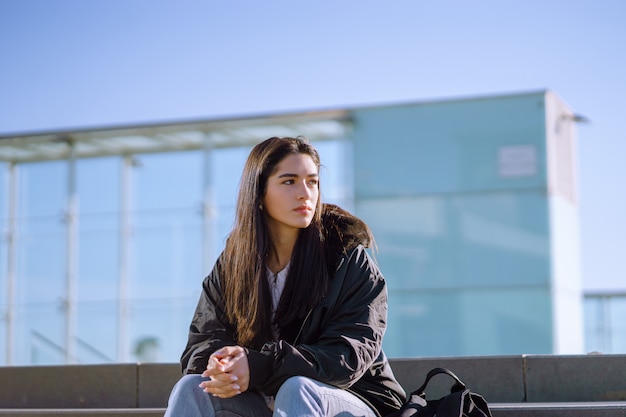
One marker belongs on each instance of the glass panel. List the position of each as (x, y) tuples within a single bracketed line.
[(167, 226), (4, 204), (495, 239), (336, 174), (98, 257), (159, 328), (618, 325), (3, 340), (41, 263), (595, 325), (42, 188), (167, 246), (170, 180), (228, 166), (468, 322), (167, 254), (97, 331), (41, 260), (446, 146), (458, 259), (98, 185), (605, 331), (4, 192), (41, 239), (39, 334)]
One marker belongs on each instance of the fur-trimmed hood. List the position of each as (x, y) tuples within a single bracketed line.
[(343, 232)]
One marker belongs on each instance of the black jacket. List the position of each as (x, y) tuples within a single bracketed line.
[(340, 340)]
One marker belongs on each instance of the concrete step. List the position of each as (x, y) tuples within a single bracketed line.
[(595, 409), (518, 385), (591, 409), (115, 386), (90, 412), (523, 378)]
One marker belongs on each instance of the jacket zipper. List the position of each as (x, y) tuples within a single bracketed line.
[(302, 327)]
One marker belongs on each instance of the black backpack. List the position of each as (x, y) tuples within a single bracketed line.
[(459, 403)]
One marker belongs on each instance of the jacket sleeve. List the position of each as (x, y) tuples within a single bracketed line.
[(341, 338), (209, 330)]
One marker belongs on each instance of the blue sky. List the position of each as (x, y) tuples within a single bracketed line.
[(86, 63)]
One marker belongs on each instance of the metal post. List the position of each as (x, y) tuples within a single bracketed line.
[(11, 254), (125, 257), (209, 211), (71, 218)]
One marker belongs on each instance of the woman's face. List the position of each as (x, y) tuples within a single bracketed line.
[(291, 194)]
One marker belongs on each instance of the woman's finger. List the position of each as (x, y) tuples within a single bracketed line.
[(223, 387)]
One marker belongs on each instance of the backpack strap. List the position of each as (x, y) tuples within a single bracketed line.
[(458, 386)]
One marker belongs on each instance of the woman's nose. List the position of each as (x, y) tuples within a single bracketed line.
[(303, 192)]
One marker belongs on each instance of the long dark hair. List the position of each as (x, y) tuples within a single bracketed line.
[(244, 277)]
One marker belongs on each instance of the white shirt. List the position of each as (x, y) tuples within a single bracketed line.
[(277, 285), (276, 282)]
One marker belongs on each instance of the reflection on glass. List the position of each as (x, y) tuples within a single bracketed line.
[(165, 250)]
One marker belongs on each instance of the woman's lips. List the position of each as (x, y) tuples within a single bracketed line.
[(303, 209)]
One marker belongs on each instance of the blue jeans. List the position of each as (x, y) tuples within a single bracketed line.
[(298, 396)]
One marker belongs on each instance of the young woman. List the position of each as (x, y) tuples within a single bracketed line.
[(290, 321)]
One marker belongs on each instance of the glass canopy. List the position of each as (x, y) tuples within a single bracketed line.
[(169, 137)]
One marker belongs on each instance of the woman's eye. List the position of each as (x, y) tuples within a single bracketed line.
[(288, 182)]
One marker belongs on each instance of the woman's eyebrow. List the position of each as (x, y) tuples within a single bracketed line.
[(289, 175)]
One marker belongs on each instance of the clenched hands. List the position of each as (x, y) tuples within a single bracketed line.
[(228, 372)]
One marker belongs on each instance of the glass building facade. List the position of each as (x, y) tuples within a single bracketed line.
[(109, 232), (474, 206), (104, 251), (605, 330)]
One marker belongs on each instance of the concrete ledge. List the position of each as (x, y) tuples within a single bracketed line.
[(525, 379), (155, 381), (599, 409), (71, 386), (596, 409), (93, 412), (478, 373), (575, 378)]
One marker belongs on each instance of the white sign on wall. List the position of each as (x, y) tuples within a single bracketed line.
[(517, 161)]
